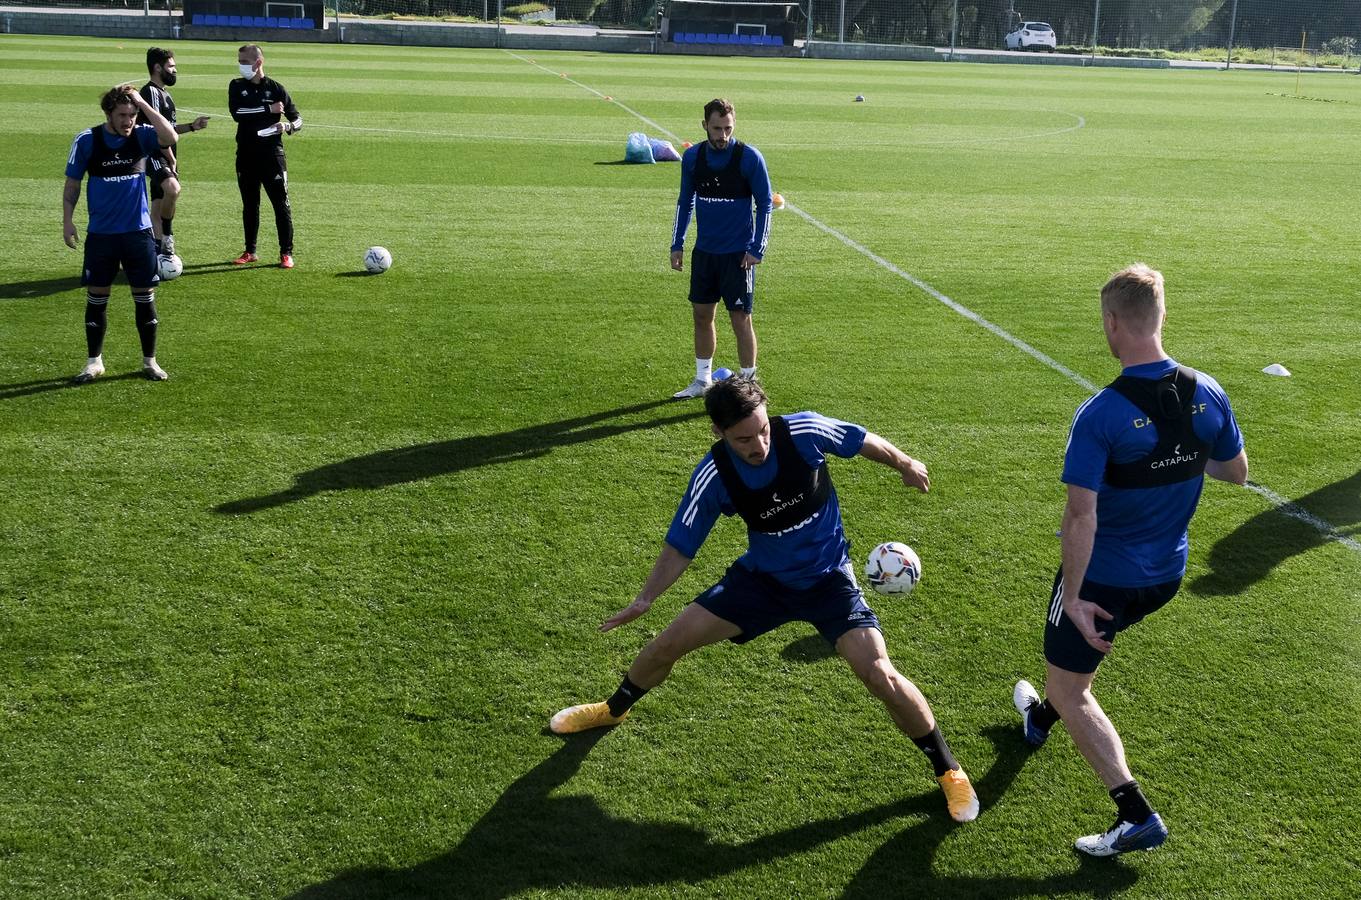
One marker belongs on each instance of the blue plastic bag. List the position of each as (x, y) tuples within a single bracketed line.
[(639, 149)]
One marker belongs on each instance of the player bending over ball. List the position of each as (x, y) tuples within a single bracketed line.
[(114, 154), (772, 471)]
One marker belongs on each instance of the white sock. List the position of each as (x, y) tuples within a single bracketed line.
[(94, 361), (704, 369), (748, 371), (148, 361)]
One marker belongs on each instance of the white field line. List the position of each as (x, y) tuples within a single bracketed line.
[(1286, 506)]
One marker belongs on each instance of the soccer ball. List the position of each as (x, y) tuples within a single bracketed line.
[(169, 267), (377, 260), (893, 568)]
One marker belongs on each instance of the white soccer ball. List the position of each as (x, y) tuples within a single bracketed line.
[(893, 568), (169, 267), (377, 260)]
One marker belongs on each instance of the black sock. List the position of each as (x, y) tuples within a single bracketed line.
[(1044, 716), (624, 698), (1132, 804), (145, 305), (936, 750), (96, 323), (165, 226)]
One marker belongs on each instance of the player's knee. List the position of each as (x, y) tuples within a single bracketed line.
[(1064, 696), (171, 188), (883, 680)]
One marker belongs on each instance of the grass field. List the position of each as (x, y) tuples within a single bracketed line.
[(292, 623)]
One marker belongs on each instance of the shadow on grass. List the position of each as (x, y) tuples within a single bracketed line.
[(43, 287), (42, 386), (532, 839), (810, 649), (361, 273), (406, 464), (1248, 554), (902, 866)]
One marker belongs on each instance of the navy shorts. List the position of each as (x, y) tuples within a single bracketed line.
[(1064, 645), (133, 251), (720, 276), (758, 603)]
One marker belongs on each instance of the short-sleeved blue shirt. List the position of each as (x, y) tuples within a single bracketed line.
[(1141, 532), (117, 205), (797, 556)]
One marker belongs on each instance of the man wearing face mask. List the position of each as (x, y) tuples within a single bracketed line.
[(721, 180), (164, 171), (257, 103), (772, 471)]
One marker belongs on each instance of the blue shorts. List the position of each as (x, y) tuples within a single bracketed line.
[(1064, 645), (133, 251), (720, 276), (758, 603)]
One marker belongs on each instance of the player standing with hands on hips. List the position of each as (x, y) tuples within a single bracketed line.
[(1135, 463), (772, 471), (165, 173), (257, 103), (721, 179), (114, 155)]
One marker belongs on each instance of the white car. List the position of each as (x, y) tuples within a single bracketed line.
[(1031, 35)]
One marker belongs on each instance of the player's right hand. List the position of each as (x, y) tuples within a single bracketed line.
[(678, 260), (1084, 615), (627, 614), (70, 235)]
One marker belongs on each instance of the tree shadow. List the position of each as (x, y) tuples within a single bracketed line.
[(42, 287), (406, 464), (902, 866), (42, 386), (1252, 550)]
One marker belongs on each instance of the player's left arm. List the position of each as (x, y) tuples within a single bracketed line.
[(70, 197), (913, 471), (758, 176)]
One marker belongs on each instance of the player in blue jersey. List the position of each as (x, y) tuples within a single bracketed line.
[(1135, 463), (114, 155), (721, 180), (772, 471)]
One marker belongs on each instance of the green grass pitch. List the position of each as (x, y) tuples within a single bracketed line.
[(293, 622)]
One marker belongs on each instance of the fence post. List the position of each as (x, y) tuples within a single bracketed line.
[(1096, 26), (809, 38), (1233, 21), (841, 25), (954, 27)]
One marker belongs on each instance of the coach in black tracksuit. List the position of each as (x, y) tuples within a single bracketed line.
[(257, 104)]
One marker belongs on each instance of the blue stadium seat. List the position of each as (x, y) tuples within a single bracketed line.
[(234, 21), (680, 37), (210, 21), (711, 39), (256, 21), (198, 19), (744, 39), (292, 23), (308, 23), (776, 40), (727, 38), (271, 22)]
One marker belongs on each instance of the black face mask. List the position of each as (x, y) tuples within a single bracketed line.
[(168, 78)]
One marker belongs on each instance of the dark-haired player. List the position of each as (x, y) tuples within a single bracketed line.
[(1135, 463), (257, 103), (164, 170), (114, 155), (722, 180), (772, 471)]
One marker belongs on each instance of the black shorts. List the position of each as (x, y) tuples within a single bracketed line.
[(1064, 645), (720, 276), (132, 251), (158, 170), (757, 603)]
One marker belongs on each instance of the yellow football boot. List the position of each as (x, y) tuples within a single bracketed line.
[(959, 795), (593, 715)]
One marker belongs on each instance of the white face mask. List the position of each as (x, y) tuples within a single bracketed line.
[(247, 69)]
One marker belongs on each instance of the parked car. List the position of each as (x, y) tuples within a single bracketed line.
[(1037, 35)]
